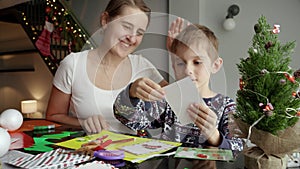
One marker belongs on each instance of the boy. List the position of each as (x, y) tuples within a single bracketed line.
[(141, 104)]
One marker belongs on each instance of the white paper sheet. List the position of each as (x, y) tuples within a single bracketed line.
[(180, 95)]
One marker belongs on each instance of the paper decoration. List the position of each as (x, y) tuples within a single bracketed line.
[(77, 142), (204, 154), (180, 95), (147, 147), (95, 164), (58, 158)]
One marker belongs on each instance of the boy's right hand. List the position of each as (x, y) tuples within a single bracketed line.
[(146, 89)]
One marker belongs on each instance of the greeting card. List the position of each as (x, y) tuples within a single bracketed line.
[(147, 147), (204, 154)]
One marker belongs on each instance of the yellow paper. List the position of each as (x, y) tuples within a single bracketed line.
[(77, 142)]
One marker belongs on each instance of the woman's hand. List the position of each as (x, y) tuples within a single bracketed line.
[(146, 90), (206, 120), (175, 28), (94, 124)]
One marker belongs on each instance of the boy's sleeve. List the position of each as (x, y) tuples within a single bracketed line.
[(228, 140), (136, 113)]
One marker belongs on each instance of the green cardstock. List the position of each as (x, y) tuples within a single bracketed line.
[(41, 148), (40, 143), (59, 136)]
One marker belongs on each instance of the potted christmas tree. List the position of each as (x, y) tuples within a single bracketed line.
[(268, 104)]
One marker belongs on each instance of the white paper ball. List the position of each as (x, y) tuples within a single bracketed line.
[(11, 119), (5, 141), (229, 24)]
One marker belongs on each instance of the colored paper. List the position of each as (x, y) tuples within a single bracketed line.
[(20, 140), (58, 158), (28, 125), (42, 144), (59, 135), (147, 147), (180, 95), (77, 142), (39, 148), (204, 154)]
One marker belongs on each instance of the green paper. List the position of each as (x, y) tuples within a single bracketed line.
[(41, 141), (41, 148), (59, 136)]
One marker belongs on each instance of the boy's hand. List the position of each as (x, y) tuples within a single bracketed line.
[(206, 121), (146, 90), (94, 124)]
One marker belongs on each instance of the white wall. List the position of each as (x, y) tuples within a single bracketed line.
[(234, 44), (17, 86)]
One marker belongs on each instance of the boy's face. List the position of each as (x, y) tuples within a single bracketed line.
[(196, 64)]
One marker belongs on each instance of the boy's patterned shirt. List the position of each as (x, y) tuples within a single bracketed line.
[(138, 114)]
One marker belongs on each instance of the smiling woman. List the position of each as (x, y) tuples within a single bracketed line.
[(86, 83)]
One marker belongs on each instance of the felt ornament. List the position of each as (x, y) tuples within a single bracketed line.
[(43, 42)]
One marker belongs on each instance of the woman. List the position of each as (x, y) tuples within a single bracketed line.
[(87, 83)]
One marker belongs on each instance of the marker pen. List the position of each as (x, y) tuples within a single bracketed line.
[(44, 127)]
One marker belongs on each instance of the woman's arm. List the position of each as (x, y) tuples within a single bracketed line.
[(58, 107)]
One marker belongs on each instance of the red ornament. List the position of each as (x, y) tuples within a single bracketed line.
[(297, 73), (267, 109), (242, 84), (276, 29), (268, 45), (298, 114), (296, 94), (290, 78), (48, 9)]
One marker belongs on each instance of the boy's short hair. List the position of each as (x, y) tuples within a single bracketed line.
[(197, 34)]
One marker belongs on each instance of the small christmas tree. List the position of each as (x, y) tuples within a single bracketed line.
[(269, 90), (268, 104)]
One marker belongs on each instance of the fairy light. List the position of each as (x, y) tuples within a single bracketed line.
[(268, 106)]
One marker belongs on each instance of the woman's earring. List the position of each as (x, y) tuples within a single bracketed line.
[(101, 31)]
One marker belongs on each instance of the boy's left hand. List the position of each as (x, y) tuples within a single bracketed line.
[(206, 121)]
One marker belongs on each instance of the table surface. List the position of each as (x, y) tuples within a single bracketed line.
[(154, 163)]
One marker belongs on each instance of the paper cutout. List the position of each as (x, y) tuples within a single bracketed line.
[(42, 145), (39, 148), (59, 135), (20, 140), (58, 158), (180, 95), (204, 154), (41, 141), (77, 142), (96, 164), (147, 147)]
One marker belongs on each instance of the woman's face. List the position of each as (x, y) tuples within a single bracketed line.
[(124, 33)]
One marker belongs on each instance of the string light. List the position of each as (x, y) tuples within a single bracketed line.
[(268, 107), (60, 18)]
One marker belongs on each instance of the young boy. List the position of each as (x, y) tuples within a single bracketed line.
[(141, 104)]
